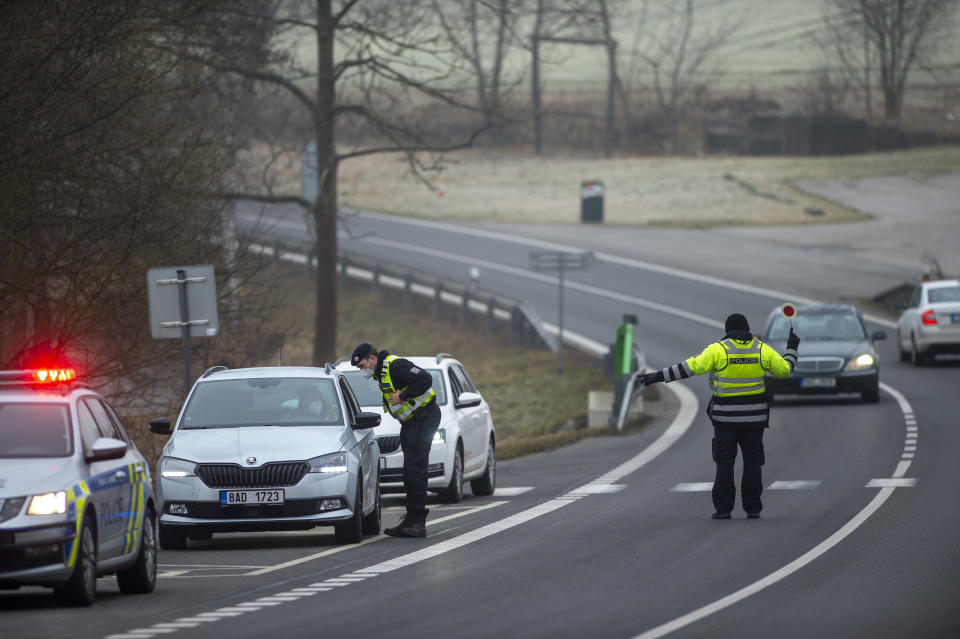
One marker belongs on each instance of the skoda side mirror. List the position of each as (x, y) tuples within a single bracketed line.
[(467, 399), (107, 448), (160, 426), (365, 420)]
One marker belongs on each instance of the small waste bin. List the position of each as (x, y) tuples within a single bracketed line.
[(591, 201)]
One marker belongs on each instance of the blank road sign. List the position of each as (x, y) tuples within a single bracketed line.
[(163, 294)]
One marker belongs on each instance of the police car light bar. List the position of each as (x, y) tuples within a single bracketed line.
[(38, 376)]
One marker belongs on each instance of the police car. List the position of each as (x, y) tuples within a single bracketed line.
[(464, 447), (75, 494), (272, 448)]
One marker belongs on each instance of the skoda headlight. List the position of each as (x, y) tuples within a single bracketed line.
[(173, 468), (48, 504), (335, 463), (439, 437), (860, 363)]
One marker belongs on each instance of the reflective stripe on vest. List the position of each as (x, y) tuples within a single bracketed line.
[(742, 374), (405, 409)]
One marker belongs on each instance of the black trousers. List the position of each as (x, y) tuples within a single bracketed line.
[(725, 442), (416, 437)]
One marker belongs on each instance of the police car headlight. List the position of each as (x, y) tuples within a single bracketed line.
[(335, 463), (173, 468), (48, 504), (440, 436), (860, 363)]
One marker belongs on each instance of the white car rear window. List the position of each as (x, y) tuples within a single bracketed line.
[(944, 294)]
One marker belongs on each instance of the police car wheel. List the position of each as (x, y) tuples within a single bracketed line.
[(141, 577), (172, 538), (371, 523), (486, 484), (81, 588), (351, 532), (453, 493)]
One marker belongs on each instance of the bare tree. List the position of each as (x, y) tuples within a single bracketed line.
[(886, 40), (378, 68)]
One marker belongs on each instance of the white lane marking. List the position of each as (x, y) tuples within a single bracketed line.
[(512, 491), (614, 259), (900, 482), (799, 562), (166, 574), (907, 456), (598, 488), (693, 487), (680, 424), (909, 449), (800, 484)]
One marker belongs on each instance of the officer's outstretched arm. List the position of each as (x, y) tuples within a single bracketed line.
[(696, 365)]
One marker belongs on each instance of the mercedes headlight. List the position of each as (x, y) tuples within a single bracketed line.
[(335, 463), (48, 504), (860, 363), (173, 468), (439, 437)]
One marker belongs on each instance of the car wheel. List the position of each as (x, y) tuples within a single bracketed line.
[(916, 357), (453, 493), (371, 523), (141, 577), (486, 484), (904, 354), (351, 532), (172, 537), (81, 588)]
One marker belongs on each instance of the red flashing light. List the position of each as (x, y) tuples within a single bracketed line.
[(54, 375), (929, 318)]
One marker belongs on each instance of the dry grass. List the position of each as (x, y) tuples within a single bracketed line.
[(500, 186)]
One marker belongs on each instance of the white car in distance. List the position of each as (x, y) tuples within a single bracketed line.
[(464, 448), (930, 323)]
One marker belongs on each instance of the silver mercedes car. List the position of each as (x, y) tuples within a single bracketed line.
[(280, 448)]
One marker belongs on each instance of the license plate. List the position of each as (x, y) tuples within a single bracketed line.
[(251, 497), (955, 319), (818, 382)]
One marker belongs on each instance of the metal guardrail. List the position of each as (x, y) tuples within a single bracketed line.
[(525, 324)]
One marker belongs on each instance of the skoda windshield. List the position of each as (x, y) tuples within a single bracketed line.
[(268, 401), (35, 430), (368, 393), (819, 325)]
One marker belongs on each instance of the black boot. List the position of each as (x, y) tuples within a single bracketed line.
[(409, 527)]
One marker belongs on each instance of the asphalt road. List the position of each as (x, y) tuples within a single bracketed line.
[(612, 537)]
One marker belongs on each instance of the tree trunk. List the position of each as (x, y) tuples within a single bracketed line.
[(325, 208)]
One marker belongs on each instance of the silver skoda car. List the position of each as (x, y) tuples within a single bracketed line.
[(255, 449)]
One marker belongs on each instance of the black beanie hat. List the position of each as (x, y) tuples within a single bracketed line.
[(360, 352), (736, 322)]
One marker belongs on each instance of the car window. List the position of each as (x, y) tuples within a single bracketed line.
[(274, 401), (457, 381), (467, 379), (104, 424), (818, 326), (35, 430), (89, 432), (368, 392), (915, 297), (353, 407), (117, 422), (943, 294)]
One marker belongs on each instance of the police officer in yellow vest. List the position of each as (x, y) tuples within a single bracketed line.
[(408, 396), (739, 408)]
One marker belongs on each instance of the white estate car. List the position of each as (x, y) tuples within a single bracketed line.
[(931, 322), (465, 445), (75, 493), (278, 448)]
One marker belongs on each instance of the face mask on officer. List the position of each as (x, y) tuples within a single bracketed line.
[(366, 373)]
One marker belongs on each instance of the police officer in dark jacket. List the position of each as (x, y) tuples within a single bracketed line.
[(407, 395), (739, 408)]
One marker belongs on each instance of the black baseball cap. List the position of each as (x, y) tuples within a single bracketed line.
[(361, 352)]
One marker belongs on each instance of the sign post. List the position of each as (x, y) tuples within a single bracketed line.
[(560, 262), (183, 303)]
